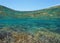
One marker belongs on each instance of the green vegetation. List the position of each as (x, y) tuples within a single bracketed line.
[(48, 13)]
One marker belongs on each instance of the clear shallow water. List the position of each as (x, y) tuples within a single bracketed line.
[(30, 24), (29, 21)]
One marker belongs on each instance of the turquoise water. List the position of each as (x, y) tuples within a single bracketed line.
[(29, 24), (29, 21)]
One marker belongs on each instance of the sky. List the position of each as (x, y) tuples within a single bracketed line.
[(29, 5)]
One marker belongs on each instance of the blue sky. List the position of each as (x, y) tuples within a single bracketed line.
[(29, 5)]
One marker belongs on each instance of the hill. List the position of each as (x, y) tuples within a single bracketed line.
[(48, 13)]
